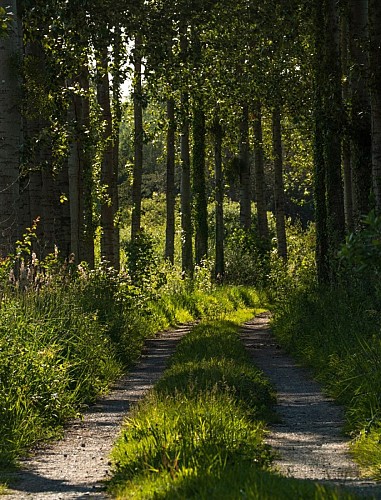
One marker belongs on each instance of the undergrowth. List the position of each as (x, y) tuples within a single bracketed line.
[(199, 433)]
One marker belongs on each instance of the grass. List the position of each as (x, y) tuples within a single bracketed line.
[(200, 432)]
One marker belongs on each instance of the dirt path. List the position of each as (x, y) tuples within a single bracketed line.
[(76, 466), (309, 436)]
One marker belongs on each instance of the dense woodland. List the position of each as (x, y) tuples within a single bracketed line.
[(256, 101)]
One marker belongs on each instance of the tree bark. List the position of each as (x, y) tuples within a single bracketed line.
[(361, 156), (199, 184), (375, 95), (186, 198), (244, 170), (259, 172), (333, 129), (107, 168), (170, 184), (219, 271), (138, 142), (278, 184), (346, 146), (10, 133)]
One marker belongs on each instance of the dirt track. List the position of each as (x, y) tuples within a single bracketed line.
[(308, 438)]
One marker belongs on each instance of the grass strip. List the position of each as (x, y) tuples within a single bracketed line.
[(199, 433)]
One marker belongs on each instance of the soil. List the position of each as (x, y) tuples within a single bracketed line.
[(308, 438)]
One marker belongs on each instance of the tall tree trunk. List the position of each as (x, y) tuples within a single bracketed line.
[(170, 184), (219, 201), (186, 198), (10, 133), (138, 141), (244, 170), (259, 172), (360, 106), (375, 93), (199, 184), (278, 184), (322, 259), (87, 184), (62, 213), (107, 169), (117, 109), (333, 129), (346, 147)]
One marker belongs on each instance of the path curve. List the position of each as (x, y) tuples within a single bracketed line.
[(76, 466), (309, 437)]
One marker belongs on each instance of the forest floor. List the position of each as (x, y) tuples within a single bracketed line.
[(308, 437)]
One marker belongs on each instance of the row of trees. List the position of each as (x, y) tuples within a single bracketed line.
[(226, 74)]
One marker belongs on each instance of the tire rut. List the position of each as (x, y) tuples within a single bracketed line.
[(309, 438), (77, 466)]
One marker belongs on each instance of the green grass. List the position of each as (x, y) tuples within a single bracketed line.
[(199, 433)]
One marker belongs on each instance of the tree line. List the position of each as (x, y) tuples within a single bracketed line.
[(224, 75)]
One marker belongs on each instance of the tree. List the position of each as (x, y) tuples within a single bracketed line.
[(10, 129), (375, 95)]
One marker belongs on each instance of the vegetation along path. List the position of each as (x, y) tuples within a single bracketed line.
[(308, 438), (76, 466)]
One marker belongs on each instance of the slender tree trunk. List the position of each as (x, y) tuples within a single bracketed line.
[(375, 93), (219, 201), (360, 106), (62, 213), (87, 184), (107, 169), (199, 187), (278, 184), (186, 198), (333, 129), (322, 260), (138, 142), (346, 147), (170, 184), (259, 171), (10, 133), (117, 110), (244, 170)]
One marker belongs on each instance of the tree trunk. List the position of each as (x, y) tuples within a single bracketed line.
[(244, 170), (117, 109), (186, 199), (346, 147), (322, 260), (333, 129), (361, 156), (107, 168), (259, 172), (278, 184), (10, 133), (219, 202), (199, 187), (375, 93), (170, 184), (138, 142)]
